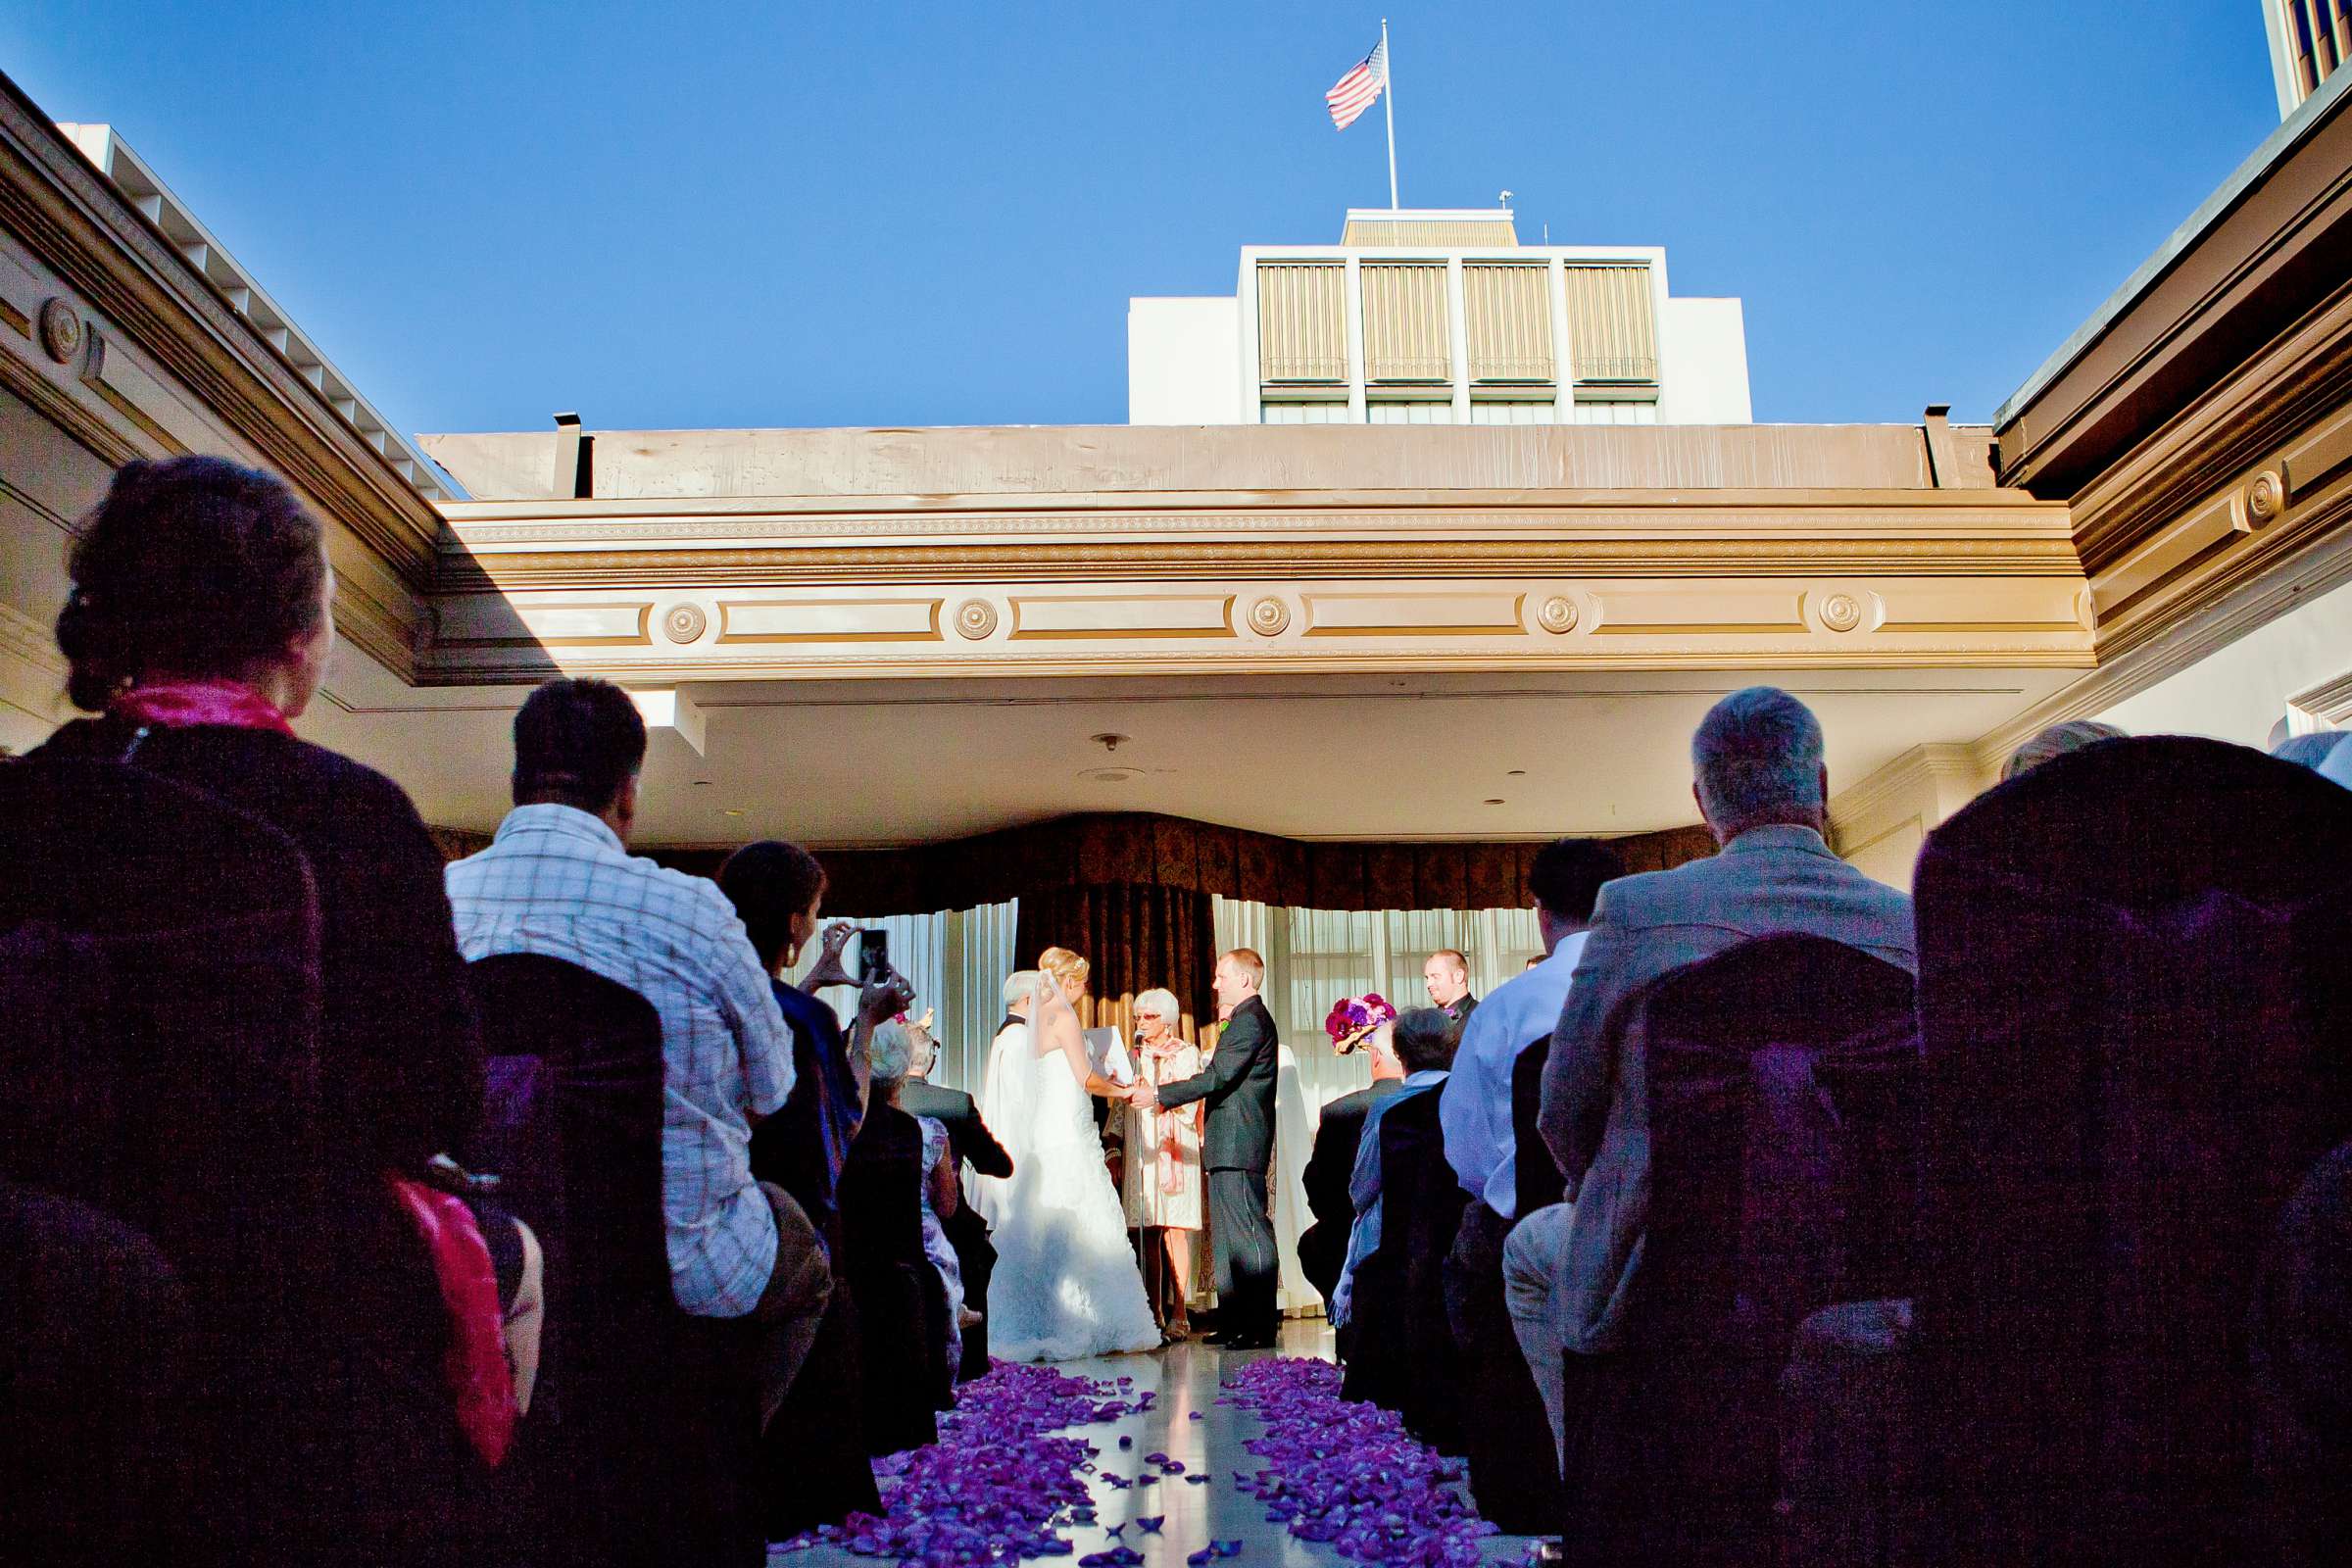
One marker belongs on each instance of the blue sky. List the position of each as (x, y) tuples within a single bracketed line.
[(881, 212)]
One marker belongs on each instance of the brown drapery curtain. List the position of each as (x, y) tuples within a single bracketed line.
[(1142, 850), (1135, 935)]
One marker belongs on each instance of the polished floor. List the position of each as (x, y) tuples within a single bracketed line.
[(1186, 1377)]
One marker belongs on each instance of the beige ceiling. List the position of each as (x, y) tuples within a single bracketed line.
[(850, 763)]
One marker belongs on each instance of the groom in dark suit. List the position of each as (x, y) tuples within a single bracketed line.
[(1236, 1149)]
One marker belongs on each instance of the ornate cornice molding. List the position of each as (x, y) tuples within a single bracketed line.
[(886, 586), (27, 640), (517, 546), (2228, 429), (1925, 784)]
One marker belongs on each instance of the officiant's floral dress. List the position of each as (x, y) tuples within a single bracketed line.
[(1161, 1180)]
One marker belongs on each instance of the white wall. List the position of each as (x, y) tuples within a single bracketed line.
[(1702, 369), (1184, 362), (2239, 692)]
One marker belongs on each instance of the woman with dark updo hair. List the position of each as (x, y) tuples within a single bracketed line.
[(198, 627)]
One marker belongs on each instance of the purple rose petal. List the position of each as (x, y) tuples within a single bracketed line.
[(999, 1484), (1349, 1473), (1150, 1526)]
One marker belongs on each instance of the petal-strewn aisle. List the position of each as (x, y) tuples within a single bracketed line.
[(1198, 1451)]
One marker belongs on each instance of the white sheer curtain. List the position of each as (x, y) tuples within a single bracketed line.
[(958, 959), (1313, 959)]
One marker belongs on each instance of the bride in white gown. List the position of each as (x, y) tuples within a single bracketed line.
[(1065, 1285)]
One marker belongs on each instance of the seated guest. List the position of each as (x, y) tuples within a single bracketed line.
[(813, 1468), (972, 1149), (198, 627), (1446, 975), (901, 1300), (1160, 1175), (1763, 789), (2057, 741), (2308, 751), (1426, 1038), (969, 1144), (891, 1053), (2322, 752), (776, 890), (558, 880), (1358, 1023), (1482, 1145)]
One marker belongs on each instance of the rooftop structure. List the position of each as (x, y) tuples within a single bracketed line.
[(2308, 40), (1440, 315)]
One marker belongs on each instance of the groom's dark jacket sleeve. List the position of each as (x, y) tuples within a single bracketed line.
[(1238, 1044), (1239, 1091)]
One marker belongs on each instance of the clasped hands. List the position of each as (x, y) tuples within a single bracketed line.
[(1142, 1096)]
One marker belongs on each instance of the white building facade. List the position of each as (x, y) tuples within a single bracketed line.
[(1440, 317)]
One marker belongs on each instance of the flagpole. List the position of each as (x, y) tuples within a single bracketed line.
[(1387, 99)]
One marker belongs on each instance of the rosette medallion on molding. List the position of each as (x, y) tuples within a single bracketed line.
[(61, 330), (684, 624), (1841, 611), (1270, 616), (1557, 615), (975, 618), (2265, 497)]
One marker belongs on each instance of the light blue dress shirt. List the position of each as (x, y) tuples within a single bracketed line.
[(1476, 1112), (1363, 1187)]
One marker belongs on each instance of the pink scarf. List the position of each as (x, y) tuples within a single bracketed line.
[(177, 704), (474, 1366), (1172, 1150)]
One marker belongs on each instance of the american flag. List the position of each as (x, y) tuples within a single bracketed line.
[(1355, 93)]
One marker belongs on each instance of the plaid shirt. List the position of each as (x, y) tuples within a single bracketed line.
[(558, 882)]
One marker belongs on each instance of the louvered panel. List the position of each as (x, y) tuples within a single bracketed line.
[(1507, 311), (1301, 321), (1404, 323), (1443, 232), (1612, 322)]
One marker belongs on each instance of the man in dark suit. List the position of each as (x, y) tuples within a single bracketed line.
[(1235, 1148), (969, 1142), (1323, 1246)]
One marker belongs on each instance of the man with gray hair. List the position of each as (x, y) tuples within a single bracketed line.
[(1764, 791)]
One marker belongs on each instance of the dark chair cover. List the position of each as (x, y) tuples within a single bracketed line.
[(1780, 1073), (159, 973), (162, 990), (1538, 1179), (1849, 1493), (95, 1450), (627, 1459), (1402, 1342), (891, 1278), (2133, 981), (1507, 1436), (2302, 1365)]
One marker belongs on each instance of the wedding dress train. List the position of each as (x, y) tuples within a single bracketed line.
[(1066, 1285)]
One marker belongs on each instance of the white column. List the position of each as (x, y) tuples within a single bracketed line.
[(1353, 288), (1457, 340), (1254, 374), (1563, 374)]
